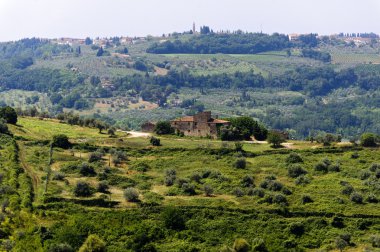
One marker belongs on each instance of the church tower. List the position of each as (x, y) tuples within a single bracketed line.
[(194, 28)]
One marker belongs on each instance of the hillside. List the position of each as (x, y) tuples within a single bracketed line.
[(189, 194), (285, 85)]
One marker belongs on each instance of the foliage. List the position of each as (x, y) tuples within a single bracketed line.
[(295, 171), (131, 194), (241, 245), (275, 138), (155, 141), (83, 189), (210, 43), (8, 114), (61, 141), (163, 128), (369, 140), (93, 243), (240, 163)]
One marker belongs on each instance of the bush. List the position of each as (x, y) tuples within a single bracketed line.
[(196, 176), (131, 194), (374, 167), (188, 188), (306, 199), (93, 244), (170, 177), (3, 126), (334, 168), (258, 245), (337, 222), (208, 190), (340, 244), (163, 128), (154, 141), (356, 198), (238, 192), (173, 218), (297, 228), (321, 167), (375, 240), (59, 176), (247, 181), (83, 189), (275, 186), (368, 140), (295, 171), (240, 163), (61, 141), (103, 187), (259, 192), (372, 198), (95, 156), (279, 199), (87, 170), (8, 114), (241, 245), (302, 180), (62, 247), (294, 158), (348, 189), (275, 138), (365, 174)]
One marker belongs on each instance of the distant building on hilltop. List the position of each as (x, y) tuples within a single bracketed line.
[(199, 125)]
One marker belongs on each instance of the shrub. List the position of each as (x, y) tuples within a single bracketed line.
[(196, 176), (170, 177), (241, 245), (374, 167), (321, 167), (87, 170), (365, 175), (372, 198), (294, 158), (238, 192), (340, 243), (59, 176), (275, 186), (247, 181), (163, 128), (188, 188), (173, 218), (93, 243), (348, 189), (140, 167), (258, 192), (131, 194), (286, 191), (368, 140), (258, 245), (355, 155), (295, 171), (356, 198), (240, 163), (94, 157), (238, 147), (375, 240), (62, 247), (302, 180), (306, 199), (337, 222), (8, 114), (61, 141), (275, 139), (334, 168), (208, 190), (297, 228), (83, 189), (3, 126), (154, 141), (279, 199), (103, 187)]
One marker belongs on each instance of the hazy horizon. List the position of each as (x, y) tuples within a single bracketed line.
[(96, 18)]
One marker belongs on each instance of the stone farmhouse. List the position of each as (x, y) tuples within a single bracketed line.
[(199, 125)]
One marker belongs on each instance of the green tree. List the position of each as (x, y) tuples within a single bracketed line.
[(163, 128), (276, 139), (368, 140), (83, 189), (93, 243), (3, 126), (61, 141), (100, 52), (8, 114)]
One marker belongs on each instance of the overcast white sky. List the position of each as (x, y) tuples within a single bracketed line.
[(81, 18)]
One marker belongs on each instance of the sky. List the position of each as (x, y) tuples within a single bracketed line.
[(101, 18)]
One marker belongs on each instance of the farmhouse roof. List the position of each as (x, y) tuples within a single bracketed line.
[(192, 119)]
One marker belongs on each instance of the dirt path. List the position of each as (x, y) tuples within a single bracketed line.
[(35, 178), (132, 134)]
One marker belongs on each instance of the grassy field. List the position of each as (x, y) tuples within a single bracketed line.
[(259, 199)]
